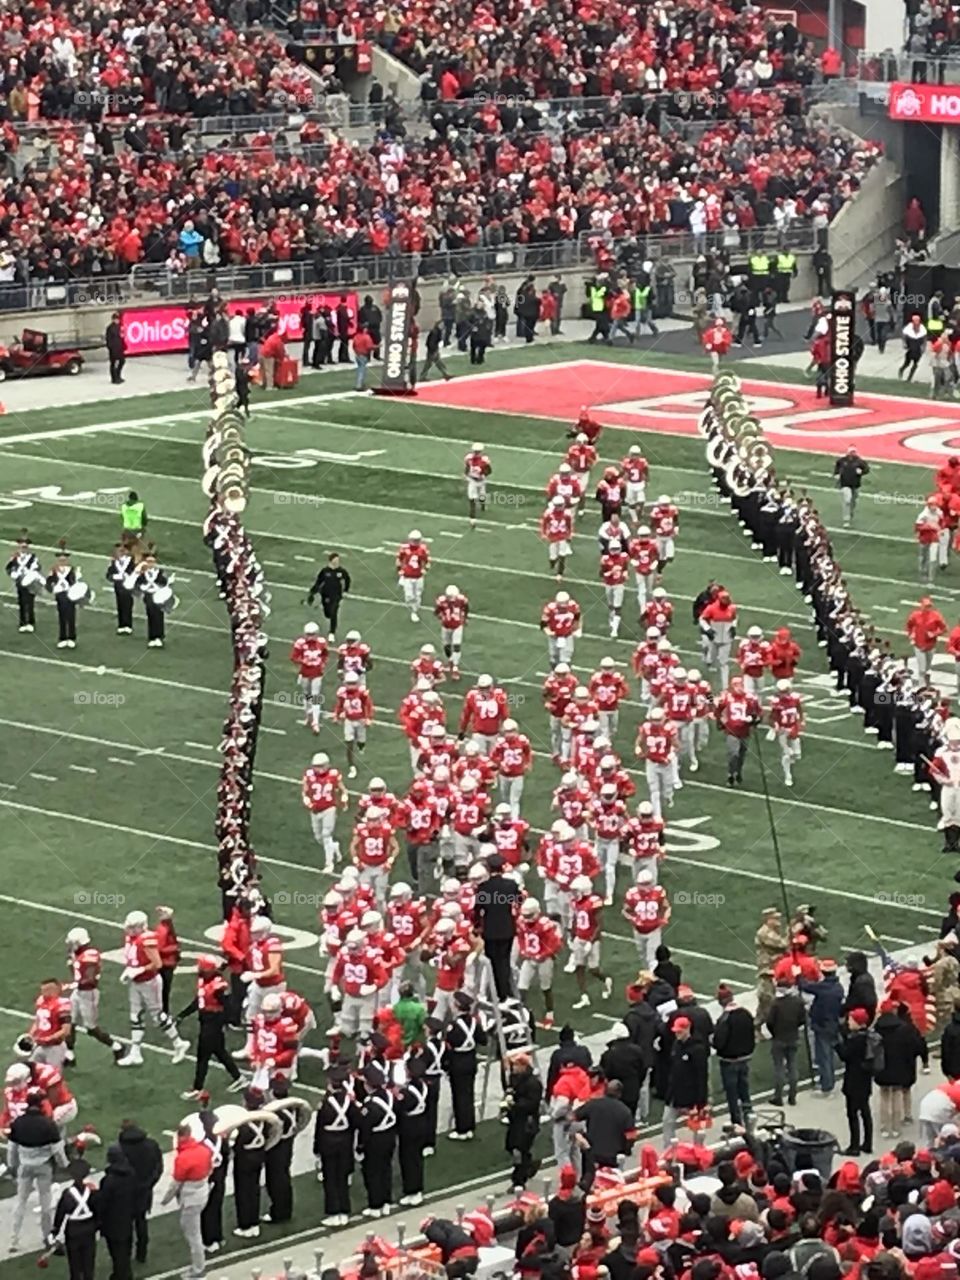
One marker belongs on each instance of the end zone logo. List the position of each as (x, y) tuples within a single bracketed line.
[(905, 104)]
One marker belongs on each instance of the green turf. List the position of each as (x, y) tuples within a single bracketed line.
[(87, 848)]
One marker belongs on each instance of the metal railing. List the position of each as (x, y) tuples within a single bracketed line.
[(916, 68), (154, 282)]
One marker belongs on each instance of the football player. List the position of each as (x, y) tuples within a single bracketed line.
[(354, 709), (413, 561), (141, 976), (309, 654), (452, 610), (323, 794), (539, 940), (476, 468), (587, 908)]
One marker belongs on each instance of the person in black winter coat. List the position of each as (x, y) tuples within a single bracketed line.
[(146, 1161), (853, 1050), (523, 1098), (452, 1239), (116, 1210), (950, 1047), (567, 1210), (687, 1079), (903, 1045), (625, 1061), (785, 1021), (862, 992), (734, 1040), (666, 970), (567, 1051)]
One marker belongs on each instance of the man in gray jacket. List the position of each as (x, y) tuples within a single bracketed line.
[(785, 1021), (35, 1146)]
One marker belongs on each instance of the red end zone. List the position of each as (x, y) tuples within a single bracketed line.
[(888, 428)]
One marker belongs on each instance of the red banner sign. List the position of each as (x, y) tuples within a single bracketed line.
[(925, 103), (149, 331)]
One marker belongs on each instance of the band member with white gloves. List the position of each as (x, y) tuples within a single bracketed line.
[(60, 581), (561, 621), (413, 561), (24, 568), (121, 568), (141, 976), (785, 713), (945, 769), (323, 794), (657, 747), (152, 583)]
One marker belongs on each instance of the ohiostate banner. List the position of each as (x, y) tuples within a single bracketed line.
[(843, 326), (401, 308)]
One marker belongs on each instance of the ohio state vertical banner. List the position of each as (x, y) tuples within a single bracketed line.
[(843, 328), (401, 308)]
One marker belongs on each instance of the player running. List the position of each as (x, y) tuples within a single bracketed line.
[(785, 713), (323, 794), (665, 522), (556, 529), (413, 561), (636, 472), (657, 747), (614, 573), (476, 468), (452, 610), (141, 976), (587, 913), (539, 940), (309, 654), (561, 622), (354, 710)]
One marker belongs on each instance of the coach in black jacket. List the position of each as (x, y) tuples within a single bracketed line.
[(146, 1161), (494, 918)]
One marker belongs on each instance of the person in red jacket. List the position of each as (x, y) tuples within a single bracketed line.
[(585, 425), (785, 654), (820, 356), (235, 945), (192, 1167), (168, 944), (363, 347), (953, 648), (925, 626)]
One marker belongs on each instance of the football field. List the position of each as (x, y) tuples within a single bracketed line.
[(109, 752)]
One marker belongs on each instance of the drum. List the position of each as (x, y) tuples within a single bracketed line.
[(80, 593), (164, 599), (32, 580)]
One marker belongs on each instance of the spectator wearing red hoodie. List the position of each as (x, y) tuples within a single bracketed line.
[(924, 627), (568, 1086), (785, 654), (190, 1187)]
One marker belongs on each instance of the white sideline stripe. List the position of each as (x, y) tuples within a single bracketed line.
[(680, 859), (139, 424), (199, 746), (44, 777), (298, 496), (130, 764), (82, 768)]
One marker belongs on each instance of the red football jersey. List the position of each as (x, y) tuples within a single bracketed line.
[(413, 560), (310, 654)]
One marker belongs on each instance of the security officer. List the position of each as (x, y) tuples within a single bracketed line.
[(378, 1141), (331, 585), (597, 301), (118, 570), (464, 1036), (786, 270), (23, 561), (412, 1114), (279, 1157), (760, 272), (935, 319), (642, 300), (59, 581), (133, 517), (337, 1123)]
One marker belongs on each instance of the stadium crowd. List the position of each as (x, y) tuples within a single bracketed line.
[(93, 213)]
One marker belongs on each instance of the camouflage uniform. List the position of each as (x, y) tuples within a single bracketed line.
[(803, 921), (771, 943), (945, 983)]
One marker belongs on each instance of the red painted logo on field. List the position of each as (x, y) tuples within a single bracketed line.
[(888, 428)]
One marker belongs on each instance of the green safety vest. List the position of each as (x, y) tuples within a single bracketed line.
[(640, 298), (598, 298), (934, 319), (786, 262), (131, 513), (759, 264)]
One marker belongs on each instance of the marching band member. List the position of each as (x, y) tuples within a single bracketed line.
[(452, 609), (786, 725), (24, 568), (61, 578), (152, 583), (141, 976), (122, 567), (476, 469), (334, 1139), (353, 708), (413, 561), (945, 768), (378, 1142), (539, 941), (309, 654), (464, 1036), (412, 1102)]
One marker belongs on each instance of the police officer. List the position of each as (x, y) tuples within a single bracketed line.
[(22, 562), (331, 585), (935, 317), (378, 1141), (760, 272), (60, 579), (786, 270), (121, 566), (412, 1118), (464, 1036), (336, 1127), (133, 518), (597, 301)]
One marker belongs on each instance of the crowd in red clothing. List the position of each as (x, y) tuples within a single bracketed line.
[(117, 57), (581, 47), (418, 196)]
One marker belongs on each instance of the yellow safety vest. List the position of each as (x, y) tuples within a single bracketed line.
[(131, 513)]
